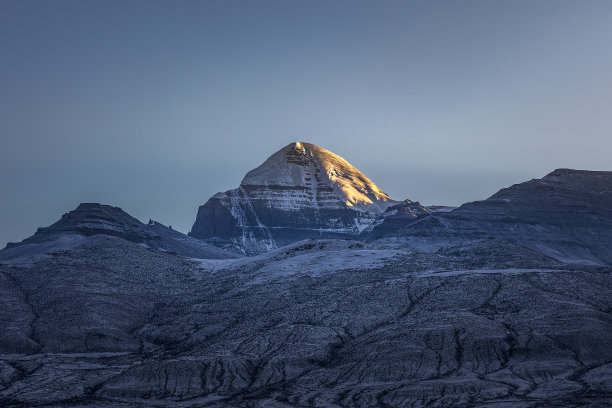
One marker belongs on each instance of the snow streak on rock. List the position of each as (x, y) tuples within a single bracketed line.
[(301, 191)]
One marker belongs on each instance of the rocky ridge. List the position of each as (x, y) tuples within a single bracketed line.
[(567, 214), (90, 219)]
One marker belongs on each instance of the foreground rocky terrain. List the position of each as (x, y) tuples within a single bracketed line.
[(319, 323)]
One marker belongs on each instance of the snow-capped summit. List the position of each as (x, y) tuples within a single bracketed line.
[(301, 191), (305, 164)]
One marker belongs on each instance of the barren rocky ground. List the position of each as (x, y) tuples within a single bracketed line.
[(485, 323)]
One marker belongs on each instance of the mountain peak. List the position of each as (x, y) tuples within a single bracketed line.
[(306, 164), (94, 217), (302, 191)]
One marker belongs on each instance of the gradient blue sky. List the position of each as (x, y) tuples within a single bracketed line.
[(155, 106)]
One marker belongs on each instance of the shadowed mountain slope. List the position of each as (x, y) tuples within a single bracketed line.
[(90, 219), (567, 214)]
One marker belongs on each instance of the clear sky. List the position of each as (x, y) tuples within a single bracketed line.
[(155, 106)]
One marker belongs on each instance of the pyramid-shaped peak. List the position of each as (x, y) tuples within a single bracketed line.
[(302, 191), (301, 164)]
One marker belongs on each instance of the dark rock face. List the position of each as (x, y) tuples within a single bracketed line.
[(90, 219), (567, 215), (484, 323), (395, 218), (93, 218), (300, 192)]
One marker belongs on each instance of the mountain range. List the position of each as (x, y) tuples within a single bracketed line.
[(309, 286), (306, 192)]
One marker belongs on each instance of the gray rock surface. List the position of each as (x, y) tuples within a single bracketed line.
[(567, 215), (340, 323), (396, 218), (90, 219)]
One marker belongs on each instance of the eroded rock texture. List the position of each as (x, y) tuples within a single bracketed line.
[(317, 324)]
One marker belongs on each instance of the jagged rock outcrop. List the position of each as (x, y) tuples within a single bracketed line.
[(302, 191), (394, 218), (567, 214), (90, 219)]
